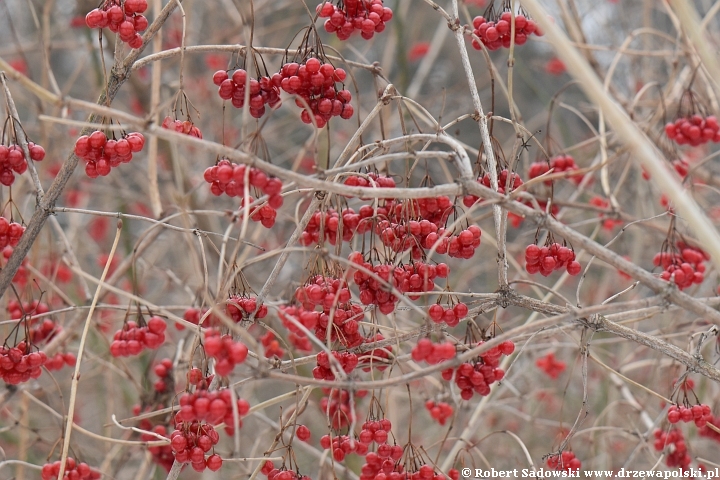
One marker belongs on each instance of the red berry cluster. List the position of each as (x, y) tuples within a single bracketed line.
[(410, 278), (73, 470), (559, 164), (330, 220), (271, 345), (273, 473), (342, 445), (195, 377), (132, 338), (700, 414), (677, 455), (59, 360), (226, 352), (694, 130), (12, 161), (450, 315), (10, 233), (515, 182), (123, 18), (17, 310), (247, 305), (367, 16), (263, 91), (477, 376), (162, 454), (548, 259), (371, 180), (461, 245), (19, 364), (552, 367), (186, 127), (382, 464), (314, 82), (323, 291), (229, 178), (191, 441), (439, 411), (432, 353), (347, 360), (213, 407), (163, 370), (685, 269), (306, 318), (101, 153), (42, 331), (496, 34), (193, 315), (565, 461)]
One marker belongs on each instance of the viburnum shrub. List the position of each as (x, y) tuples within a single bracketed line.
[(358, 239)]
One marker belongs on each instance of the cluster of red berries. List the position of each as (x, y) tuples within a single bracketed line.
[(323, 371), (213, 407), (477, 376), (271, 345), (19, 364), (548, 259), (133, 339), (10, 233), (186, 127), (375, 431), (329, 220), (124, 18), (12, 161), (700, 414), (565, 461), (323, 291), (101, 153), (17, 310), (460, 245), (515, 182), (371, 179), (685, 269), (336, 406), (268, 469), (193, 315), (73, 470), (42, 331), (247, 306), (229, 178), (195, 377), (694, 130), (314, 82), (677, 455), (496, 34), (439, 411), (367, 16), (450, 315), (163, 370), (432, 353), (384, 464), (191, 441), (342, 445), (558, 164), (263, 91), (161, 454), (226, 352), (552, 367), (60, 360), (308, 319)]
